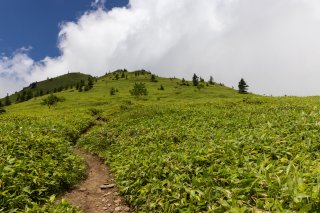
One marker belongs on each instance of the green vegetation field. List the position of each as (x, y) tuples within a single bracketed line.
[(181, 149)]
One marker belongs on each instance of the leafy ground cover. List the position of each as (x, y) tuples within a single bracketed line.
[(37, 162), (239, 155), (178, 149)]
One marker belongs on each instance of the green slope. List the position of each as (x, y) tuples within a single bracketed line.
[(181, 149), (51, 85)]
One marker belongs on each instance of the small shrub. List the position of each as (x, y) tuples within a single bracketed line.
[(126, 105), (139, 89), (113, 91), (200, 86), (153, 78), (161, 87), (52, 100)]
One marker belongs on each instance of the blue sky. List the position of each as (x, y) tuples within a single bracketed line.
[(35, 23), (274, 45)]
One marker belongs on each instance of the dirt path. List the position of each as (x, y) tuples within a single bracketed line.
[(98, 192)]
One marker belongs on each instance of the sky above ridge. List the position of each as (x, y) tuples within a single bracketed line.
[(273, 44), (35, 24)]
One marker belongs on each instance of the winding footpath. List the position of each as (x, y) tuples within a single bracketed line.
[(98, 193)]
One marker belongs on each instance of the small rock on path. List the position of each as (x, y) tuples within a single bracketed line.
[(97, 193)]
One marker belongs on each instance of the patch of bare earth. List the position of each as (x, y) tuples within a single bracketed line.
[(98, 193)]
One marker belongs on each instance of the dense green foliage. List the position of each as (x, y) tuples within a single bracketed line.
[(182, 149), (36, 159), (226, 155)]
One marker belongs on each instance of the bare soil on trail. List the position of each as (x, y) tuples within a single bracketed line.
[(98, 193)]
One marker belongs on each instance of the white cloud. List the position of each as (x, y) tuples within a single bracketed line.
[(14, 70), (273, 44), (98, 3)]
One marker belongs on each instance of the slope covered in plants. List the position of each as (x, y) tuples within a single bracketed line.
[(175, 148)]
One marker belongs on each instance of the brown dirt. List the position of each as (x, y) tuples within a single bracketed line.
[(89, 196)]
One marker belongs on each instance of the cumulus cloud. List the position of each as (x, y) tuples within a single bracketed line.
[(98, 4), (14, 70), (273, 44)]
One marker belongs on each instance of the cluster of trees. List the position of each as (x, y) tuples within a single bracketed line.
[(28, 92), (242, 86), (138, 90), (83, 86), (1, 108), (141, 72), (25, 95), (196, 81), (120, 73), (7, 101)]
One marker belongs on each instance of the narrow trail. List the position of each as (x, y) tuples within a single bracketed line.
[(98, 193)]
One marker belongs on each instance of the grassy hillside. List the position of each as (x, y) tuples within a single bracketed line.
[(180, 149), (50, 85)]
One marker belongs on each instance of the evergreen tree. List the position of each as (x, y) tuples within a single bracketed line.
[(211, 82), (90, 83), (1, 105), (29, 95), (7, 101), (18, 98), (23, 96), (243, 87), (195, 80), (81, 85)]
